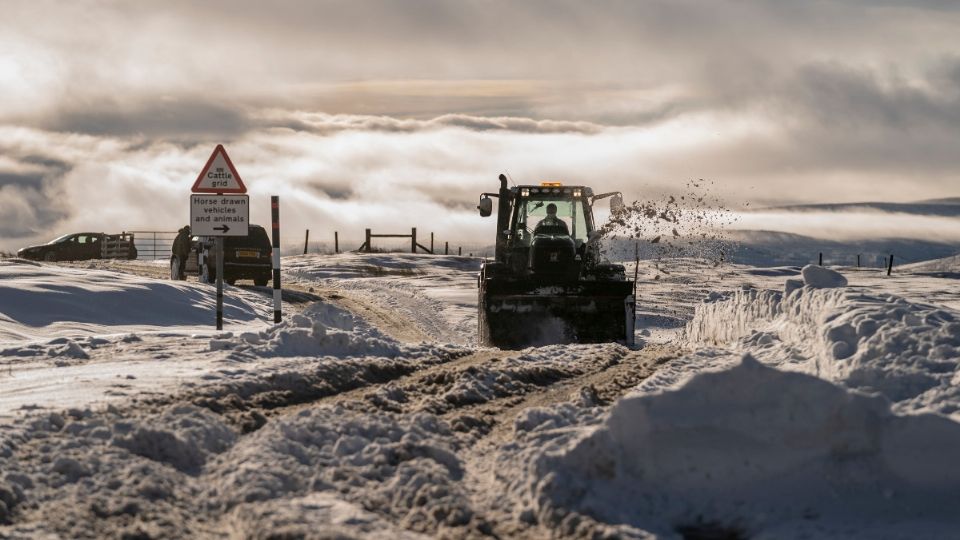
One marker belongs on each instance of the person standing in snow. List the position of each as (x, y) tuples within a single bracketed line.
[(181, 250)]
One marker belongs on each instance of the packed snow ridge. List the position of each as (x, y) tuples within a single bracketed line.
[(875, 342), (323, 330), (750, 451)]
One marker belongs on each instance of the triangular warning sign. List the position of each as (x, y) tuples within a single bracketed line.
[(219, 175)]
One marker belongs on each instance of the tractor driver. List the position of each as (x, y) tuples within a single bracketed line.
[(551, 224)]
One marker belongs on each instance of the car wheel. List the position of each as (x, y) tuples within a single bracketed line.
[(260, 282), (231, 281), (50, 256)]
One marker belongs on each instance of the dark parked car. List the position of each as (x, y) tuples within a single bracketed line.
[(244, 257), (83, 246)]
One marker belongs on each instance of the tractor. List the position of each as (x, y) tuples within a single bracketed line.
[(548, 282)]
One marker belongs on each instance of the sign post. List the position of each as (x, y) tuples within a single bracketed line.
[(218, 208)]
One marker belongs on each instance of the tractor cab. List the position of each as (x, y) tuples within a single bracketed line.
[(546, 229)]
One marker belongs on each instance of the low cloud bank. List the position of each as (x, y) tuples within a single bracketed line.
[(349, 172)]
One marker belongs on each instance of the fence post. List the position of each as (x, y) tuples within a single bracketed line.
[(306, 242), (890, 265), (446, 248), (459, 250), (431, 242), (336, 242), (368, 241), (413, 240), (821, 258)]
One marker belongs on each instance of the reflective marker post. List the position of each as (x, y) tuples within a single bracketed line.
[(275, 217), (219, 283)]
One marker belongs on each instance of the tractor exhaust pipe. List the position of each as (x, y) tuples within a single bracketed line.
[(503, 219)]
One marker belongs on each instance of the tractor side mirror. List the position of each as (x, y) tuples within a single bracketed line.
[(485, 206), (616, 204)]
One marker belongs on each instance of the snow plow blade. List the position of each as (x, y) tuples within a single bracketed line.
[(516, 315)]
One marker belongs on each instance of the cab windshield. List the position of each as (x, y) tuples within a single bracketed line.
[(533, 210)]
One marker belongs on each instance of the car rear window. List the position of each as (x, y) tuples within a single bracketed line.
[(257, 238)]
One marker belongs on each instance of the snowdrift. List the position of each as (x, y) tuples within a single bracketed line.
[(323, 330), (875, 342), (38, 300), (756, 452)]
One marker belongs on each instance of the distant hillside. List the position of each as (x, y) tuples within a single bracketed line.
[(774, 248), (950, 265), (937, 207)]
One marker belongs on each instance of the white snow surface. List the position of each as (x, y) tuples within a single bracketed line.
[(41, 301), (437, 294), (796, 411)]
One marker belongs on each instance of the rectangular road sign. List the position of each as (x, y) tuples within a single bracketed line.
[(219, 215)]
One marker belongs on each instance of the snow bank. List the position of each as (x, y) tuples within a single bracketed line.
[(877, 342), (321, 330), (752, 452), (41, 300)]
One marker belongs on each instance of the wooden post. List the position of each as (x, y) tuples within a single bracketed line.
[(431, 242), (336, 242), (890, 265), (306, 242), (413, 240), (368, 241), (821, 258), (446, 248), (460, 250), (858, 260)]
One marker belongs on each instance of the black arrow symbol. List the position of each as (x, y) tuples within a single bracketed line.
[(222, 228)]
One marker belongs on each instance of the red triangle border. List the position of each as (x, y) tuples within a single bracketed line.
[(233, 170)]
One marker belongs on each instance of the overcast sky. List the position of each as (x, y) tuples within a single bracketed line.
[(392, 114)]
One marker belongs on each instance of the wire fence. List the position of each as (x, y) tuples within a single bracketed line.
[(154, 245), (157, 245)]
